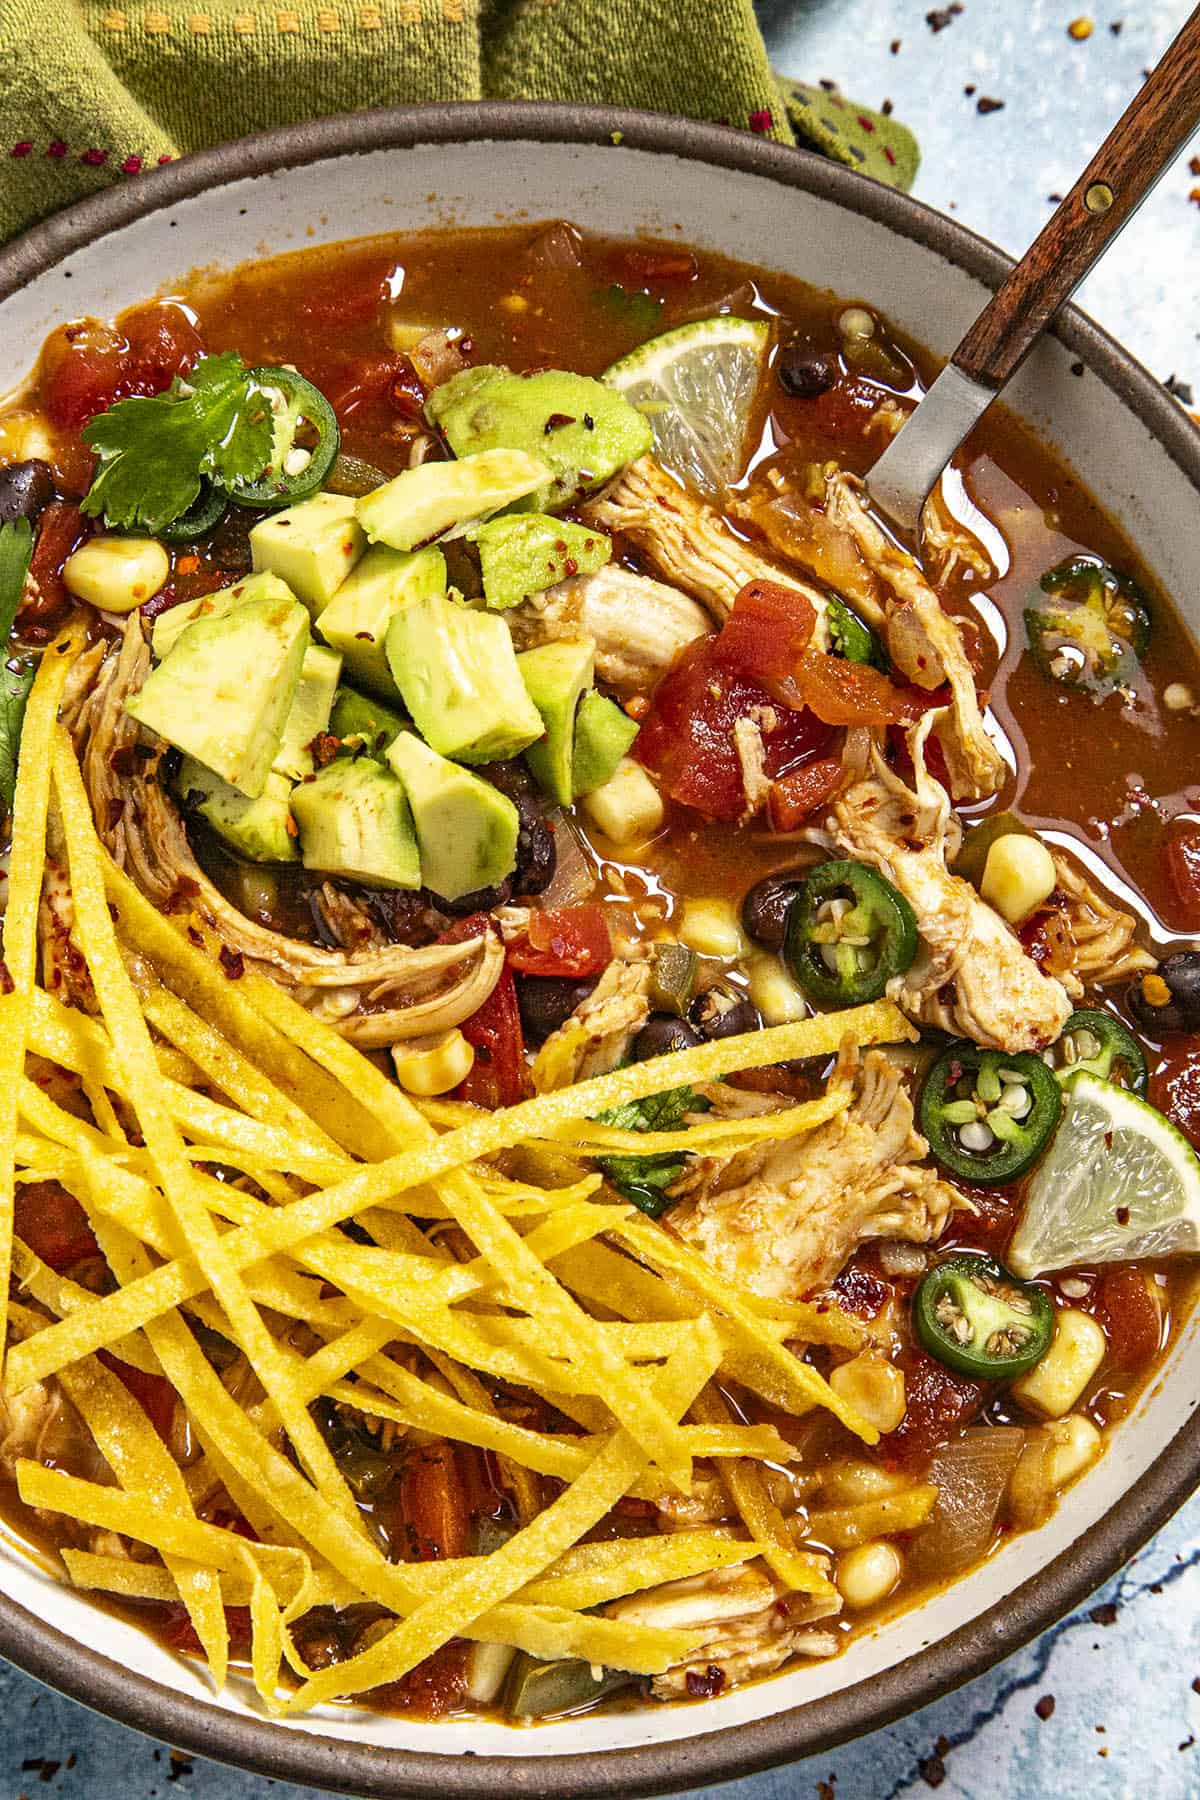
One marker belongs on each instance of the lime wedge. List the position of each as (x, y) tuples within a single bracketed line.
[(1117, 1182), (696, 386)]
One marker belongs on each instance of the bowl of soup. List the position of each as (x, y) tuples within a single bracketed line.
[(602, 1054)]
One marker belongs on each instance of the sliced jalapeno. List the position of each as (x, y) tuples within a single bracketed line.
[(1095, 1041), (305, 441), (850, 637), (202, 516), (988, 1115), (540, 1690), (848, 933), (981, 1321), (1089, 626), (673, 969)]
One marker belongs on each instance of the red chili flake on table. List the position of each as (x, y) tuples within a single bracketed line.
[(933, 1771), (1104, 1615), (233, 962), (941, 16), (985, 104), (1044, 1708)]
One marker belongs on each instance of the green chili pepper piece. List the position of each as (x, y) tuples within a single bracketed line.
[(539, 1690), (980, 1321), (672, 977), (202, 516), (304, 406), (1089, 626), (850, 637), (847, 956), (988, 1115), (1098, 1042)]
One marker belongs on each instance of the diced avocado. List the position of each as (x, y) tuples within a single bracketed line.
[(555, 676), (224, 693), (356, 620), (312, 546), (256, 829), (581, 428), (363, 724), (523, 553), (168, 625), (457, 673), (423, 503), (603, 733), (354, 821), (310, 712), (466, 828)]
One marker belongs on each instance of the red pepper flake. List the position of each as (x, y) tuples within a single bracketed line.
[(1196, 1684), (324, 748), (233, 962), (932, 1770), (1044, 1708), (7, 984), (1194, 166), (703, 1684), (1122, 1215), (985, 104), (1104, 1615), (556, 421), (895, 46), (196, 936), (941, 16)]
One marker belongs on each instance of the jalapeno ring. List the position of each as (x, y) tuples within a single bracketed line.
[(1089, 626), (1098, 1042), (202, 516), (848, 933), (300, 404), (980, 1321), (988, 1115)]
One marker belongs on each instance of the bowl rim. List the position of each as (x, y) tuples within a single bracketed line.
[(259, 1745)]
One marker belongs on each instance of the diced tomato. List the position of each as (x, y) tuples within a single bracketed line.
[(361, 384), (1175, 1086), (178, 1632), (497, 1076), (337, 304), (938, 1404), (53, 1224), (1130, 1317), (845, 409), (429, 1518), (989, 1226), (1181, 864), (162, 342), (86, 367), (848, 693), (62, 527), (435, 1687), (153, 1393), (860, 1292), (566, 940), (796, 796), (656, 265), (767, 631)]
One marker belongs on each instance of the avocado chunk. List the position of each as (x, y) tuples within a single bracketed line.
[(523, 553), (256, 829), (555, 675), (176, 619), (431, 500), (312, 546), (354, 821), (466, 828), (310, 712), (603, 734), (224, 693), (582, 429), (363, 724), (356, 620), (457, 673)]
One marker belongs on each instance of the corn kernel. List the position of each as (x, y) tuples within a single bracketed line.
[(117, 574), (868, 1574), (849, 1482), (1053, 1385), (712, 928), (1018, 876), (1075, 1443), (873, 1386), (433, 1065), (627, 807), (774, 993)]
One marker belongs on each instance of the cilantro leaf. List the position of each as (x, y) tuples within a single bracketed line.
[(16, 551), (643, 1180), (154, 451)]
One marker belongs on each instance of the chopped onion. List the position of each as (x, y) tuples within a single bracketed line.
[(352, 476), (559, 247), (856, 751), (898, 1258), (574, 872), (971, 1476)]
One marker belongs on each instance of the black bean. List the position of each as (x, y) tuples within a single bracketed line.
[(805, 375), (537, 856), (25, 489), (1179, 1009), (479, 900), (720, 1013), (547, 1001), (765, 909), (661, 1034)]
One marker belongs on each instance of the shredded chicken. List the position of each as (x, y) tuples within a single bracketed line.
[(1103, 944), (375, 996), (950, 545), (782, 1218), (688, 542), (752, 756), (971, 975), (752, 1625), (597, 1036), (639, 625)]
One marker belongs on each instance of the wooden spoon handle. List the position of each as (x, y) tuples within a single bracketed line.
[(1135, 153)]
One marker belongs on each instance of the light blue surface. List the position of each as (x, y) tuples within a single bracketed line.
[(1125, 1710)]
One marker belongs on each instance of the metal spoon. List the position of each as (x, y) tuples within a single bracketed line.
[(1136, 152)]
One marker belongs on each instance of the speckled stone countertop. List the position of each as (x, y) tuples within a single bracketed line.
[(1108, 1703)]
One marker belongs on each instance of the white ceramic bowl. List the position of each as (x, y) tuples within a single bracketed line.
[(399, 171)]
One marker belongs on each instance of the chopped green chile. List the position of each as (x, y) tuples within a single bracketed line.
[(304, 422), (540, 1690), (1098, 1042), (848, 933), (672, 977), (980, 1321), (1089, 626), (850, 637), (988, 1115)]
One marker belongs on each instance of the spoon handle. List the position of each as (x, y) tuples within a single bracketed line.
[(1136, 152)]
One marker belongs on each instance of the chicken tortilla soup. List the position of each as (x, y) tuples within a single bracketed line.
[(599, 1058)]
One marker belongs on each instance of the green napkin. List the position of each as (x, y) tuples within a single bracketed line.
[(96, 93)]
